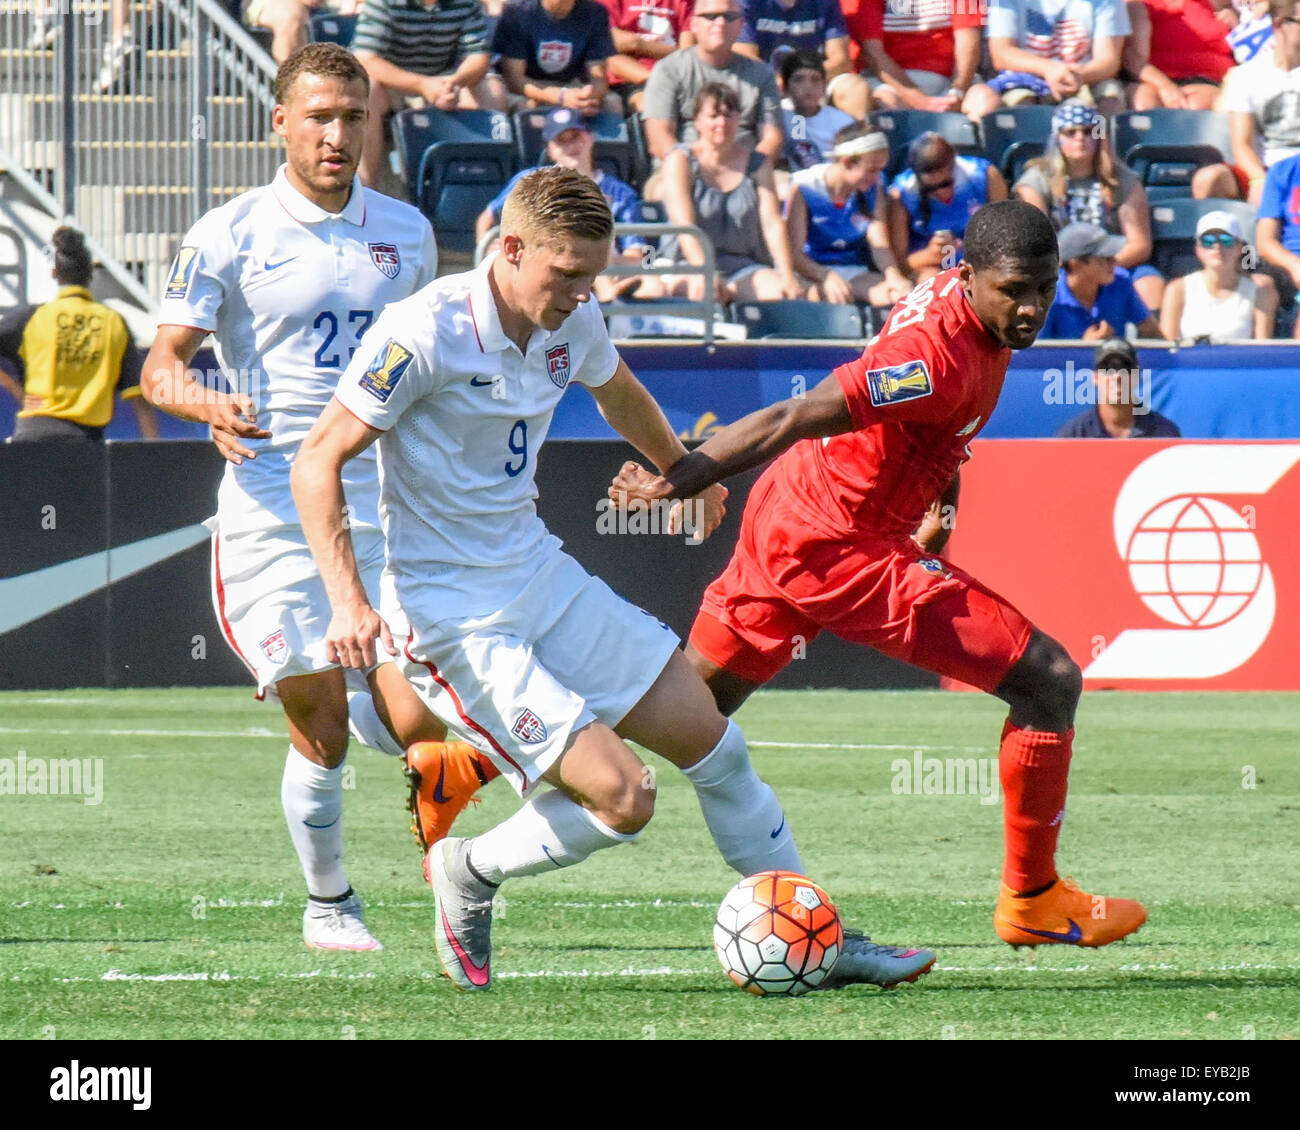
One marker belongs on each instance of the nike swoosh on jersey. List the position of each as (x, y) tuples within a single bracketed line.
[(779, 827), (477, 383), (269, 266), (1073, 934), (29, 596), (439, 797)]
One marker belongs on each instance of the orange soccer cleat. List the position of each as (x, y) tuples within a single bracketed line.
[(443, 778), (1065, 915)]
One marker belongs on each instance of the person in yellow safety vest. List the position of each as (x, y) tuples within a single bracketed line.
[(71, 355)]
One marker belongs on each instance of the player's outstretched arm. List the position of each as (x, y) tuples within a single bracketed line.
[(317, 483), (631, 411), (165, 381), (751, 440)]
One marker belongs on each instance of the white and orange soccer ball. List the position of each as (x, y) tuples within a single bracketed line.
[(777, 934)]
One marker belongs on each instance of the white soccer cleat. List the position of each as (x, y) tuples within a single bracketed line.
[(864, 962), (337, 926)]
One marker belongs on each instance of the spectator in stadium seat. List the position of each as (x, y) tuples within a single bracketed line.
[(936, 195), (810, 124), (1177, 55), (71, 355), (837, 222), (1220, 302), (1277, 233), (676, 81), (437, 53), (772, 27), (1072, 46), (925, 54), (1079, 179), (1262, 99), (1119, 412), (644, 31), (1095, 299), (289, 21), (571, 145), (726, 188), (554, 52)]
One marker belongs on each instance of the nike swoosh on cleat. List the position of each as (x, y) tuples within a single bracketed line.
[(476, 974), (321, 827), (1074, 934), (551, 857), (439, 796), (779, 827)]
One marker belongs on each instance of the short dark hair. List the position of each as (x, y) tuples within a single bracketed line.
[(1009, 231), (328, 60), (720, 94), (553, 202), (795, 61), (73, 265), (928, 152), (1282, 9)]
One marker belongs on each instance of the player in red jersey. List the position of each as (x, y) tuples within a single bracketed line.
[(826, 544)]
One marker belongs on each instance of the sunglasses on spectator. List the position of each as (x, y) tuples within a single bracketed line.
[(937, 185), (1221, 238), (727, 17)]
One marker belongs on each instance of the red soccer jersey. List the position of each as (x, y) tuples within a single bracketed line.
[(1187, 40), (918, 394), (917, 35), (660, 20)]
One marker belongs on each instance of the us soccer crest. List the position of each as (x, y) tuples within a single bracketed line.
[(276, 647), (553, 55), (529, 728), (557, 365), (385, 257)]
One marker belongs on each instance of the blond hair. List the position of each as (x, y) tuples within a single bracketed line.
[(551, 203)]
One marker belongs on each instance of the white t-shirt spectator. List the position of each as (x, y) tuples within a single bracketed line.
[(1272, 97), (1057, 29)]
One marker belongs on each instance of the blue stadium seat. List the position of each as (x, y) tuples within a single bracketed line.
[(1166, 147), (799, 319), (1173, 231), (326, 27), (455, 163), (615, 149), (1015, 136), (903, 126)]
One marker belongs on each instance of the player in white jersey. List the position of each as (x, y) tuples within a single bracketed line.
[(503, 634), (287, 278)]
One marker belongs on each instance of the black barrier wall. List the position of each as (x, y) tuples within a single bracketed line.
[(104, 569)]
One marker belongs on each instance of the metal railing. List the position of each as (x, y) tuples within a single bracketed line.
[(135, 118), (705, 309)]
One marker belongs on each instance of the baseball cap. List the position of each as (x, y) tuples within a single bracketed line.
[(1079, 241), (1219, 221), (1115, 353), (560, 119)]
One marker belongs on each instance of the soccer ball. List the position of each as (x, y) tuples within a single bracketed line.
[(777, 933)]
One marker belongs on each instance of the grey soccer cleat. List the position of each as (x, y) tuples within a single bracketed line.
[(462, 926), (337, 926), (864, 962)]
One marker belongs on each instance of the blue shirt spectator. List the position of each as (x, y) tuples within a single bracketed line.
[(803, 25), (1116, 304), (1281, 201), (554, 49), (966, 192)]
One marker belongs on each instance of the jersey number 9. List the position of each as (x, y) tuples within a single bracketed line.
[(518, 444)]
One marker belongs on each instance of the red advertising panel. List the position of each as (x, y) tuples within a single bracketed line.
[(1159, 564)]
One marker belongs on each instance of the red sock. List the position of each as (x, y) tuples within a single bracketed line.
[(1034, 767)]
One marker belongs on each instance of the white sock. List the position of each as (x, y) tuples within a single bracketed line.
[(741, 810), (549, 831), (365, 725), (313, 806)]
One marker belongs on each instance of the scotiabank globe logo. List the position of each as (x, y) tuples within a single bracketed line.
[(1194, 561)]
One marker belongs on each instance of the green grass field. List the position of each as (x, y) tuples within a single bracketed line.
[(173, 908)]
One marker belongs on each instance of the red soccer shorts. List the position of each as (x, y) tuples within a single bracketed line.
[(787, 581)]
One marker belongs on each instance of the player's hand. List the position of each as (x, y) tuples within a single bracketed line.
[(835, 289), (350, 638), (634, 483), (232, 421), (699, 516)]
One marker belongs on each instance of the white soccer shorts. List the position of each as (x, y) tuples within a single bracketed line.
[(271, 602), (518, 683)]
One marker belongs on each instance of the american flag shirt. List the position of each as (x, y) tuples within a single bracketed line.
[(1057, 29)]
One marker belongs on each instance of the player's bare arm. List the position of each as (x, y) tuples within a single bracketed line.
[(317, 483), (165, 381), (749, 442), (631, 411), (936, 527)]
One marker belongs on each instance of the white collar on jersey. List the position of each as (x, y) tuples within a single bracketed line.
[(487, 320), (305, 212)]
